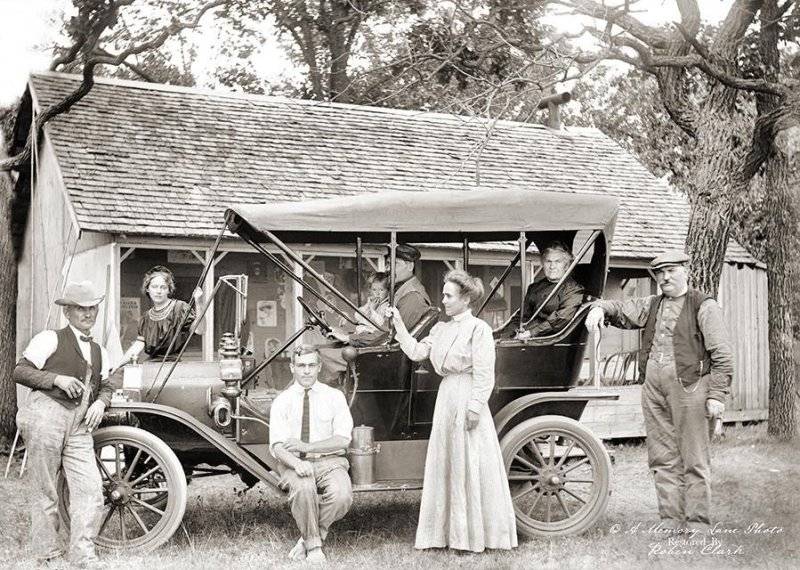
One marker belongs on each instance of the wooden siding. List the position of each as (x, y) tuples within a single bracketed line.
[(623, 418), (49, 240), (743, 296)]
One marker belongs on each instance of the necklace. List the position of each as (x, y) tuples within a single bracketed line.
[(162, 313)]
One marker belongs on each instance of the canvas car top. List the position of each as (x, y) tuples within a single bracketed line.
[(442, 216)]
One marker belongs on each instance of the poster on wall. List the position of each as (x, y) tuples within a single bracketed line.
[(267, 313), (271, 345), (129, 309)]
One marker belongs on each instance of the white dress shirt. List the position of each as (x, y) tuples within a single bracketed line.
[(329, 414), (43, 345)]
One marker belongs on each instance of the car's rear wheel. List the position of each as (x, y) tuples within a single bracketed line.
[(559, 476), (144, 490)]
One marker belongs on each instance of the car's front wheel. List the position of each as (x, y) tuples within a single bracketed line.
[(559, 476), (144, 490)]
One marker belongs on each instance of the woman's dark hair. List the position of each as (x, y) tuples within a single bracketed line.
[(468, 285), (159, 271)]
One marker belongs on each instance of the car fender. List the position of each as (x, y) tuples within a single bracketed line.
[(569, 403), (265, 471)]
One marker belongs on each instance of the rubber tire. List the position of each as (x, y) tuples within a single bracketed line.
[(599, 459), (176, 480)]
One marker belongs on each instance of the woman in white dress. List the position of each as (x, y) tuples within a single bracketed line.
[(466, 503)]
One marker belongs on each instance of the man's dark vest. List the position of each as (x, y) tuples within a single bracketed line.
[(68, 360), (691, 358)]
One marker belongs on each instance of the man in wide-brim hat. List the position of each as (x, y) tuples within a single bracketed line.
[(67, 372), (686, 363)]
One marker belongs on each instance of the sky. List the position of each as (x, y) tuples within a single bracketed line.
[(29, 28)]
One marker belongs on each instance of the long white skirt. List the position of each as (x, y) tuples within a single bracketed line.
[(466, 503)]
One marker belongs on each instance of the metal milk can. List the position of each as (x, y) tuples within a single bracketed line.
[(362, 455)]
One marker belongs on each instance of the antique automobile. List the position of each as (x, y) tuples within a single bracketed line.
[(174, 421)]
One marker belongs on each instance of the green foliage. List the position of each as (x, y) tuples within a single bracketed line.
[(486, 58), (133, 25), (476, 57), (319, 36), (8, 116), (627, 106)]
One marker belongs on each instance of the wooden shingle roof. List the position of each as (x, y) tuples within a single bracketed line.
[(145, 159)]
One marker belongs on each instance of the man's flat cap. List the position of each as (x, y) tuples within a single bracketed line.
[(405, 251), (668, 258)]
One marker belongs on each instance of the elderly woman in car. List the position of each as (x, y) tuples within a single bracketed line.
[(560, 309)]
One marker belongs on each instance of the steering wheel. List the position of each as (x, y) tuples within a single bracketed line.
[(314, 317)]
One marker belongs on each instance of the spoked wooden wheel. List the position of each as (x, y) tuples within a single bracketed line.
[(559, 476), (144, 488)]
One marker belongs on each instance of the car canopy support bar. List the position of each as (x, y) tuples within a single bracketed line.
[(255, 371), (203, 274), (288, 271), (567, 273), (359, 269), (182, 350), (512, 264), (392, 258), (311, 271), (523, 246)]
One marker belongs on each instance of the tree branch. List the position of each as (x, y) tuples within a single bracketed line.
[(97, 23), (733, 28), (619, 16), (138, 70)]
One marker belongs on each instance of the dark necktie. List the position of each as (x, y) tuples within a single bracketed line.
[(86, 338), (305, 426)]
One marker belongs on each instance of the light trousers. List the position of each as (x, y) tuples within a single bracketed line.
[(56, 440), (319, 500), (678, 435)]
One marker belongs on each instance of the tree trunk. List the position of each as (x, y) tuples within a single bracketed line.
[(706, 242), (782, 400), (721, 140), (8, 310), (782, 256)]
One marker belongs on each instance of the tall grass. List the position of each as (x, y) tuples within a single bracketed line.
[(756, 487)]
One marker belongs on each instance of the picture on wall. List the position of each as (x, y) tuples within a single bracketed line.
[(267, 313)]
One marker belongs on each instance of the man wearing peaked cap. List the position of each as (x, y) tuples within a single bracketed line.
[(410, 298), (669, 258), (686, 362), (68, 374)]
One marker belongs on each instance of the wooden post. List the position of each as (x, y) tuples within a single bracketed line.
[(297, 291), (392, 259), (359, 269), (523, 275)]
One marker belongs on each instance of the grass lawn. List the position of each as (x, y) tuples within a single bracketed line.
[(756, 501)]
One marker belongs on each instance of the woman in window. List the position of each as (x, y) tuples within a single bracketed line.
[(162, 321)]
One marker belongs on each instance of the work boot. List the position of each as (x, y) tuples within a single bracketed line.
[(51, 559), (316, 556), (298, 551)]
